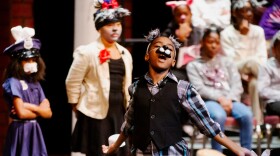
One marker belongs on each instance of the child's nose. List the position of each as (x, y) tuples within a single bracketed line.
[(182, 17)]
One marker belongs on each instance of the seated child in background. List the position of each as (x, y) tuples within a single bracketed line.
[(218, 82), (182, 29), (244, 43), (269, 79)]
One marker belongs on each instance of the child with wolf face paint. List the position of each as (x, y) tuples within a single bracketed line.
[(160, 103)]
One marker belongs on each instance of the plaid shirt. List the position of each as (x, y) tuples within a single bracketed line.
[(192, 104)]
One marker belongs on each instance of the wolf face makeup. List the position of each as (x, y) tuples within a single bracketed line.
[(165, 51)]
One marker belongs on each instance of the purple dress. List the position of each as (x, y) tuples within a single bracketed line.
[(24, 137), (270, 20)]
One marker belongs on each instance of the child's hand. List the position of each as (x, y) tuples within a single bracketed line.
[(226, 104), (13, 110), (244, 27), (183, 32), (245, 152), (74, 109), (108, 150)]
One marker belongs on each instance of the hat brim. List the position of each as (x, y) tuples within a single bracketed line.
[(19, 48)]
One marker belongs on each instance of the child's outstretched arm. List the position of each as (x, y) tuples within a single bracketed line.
[(198, 113), (235, 148), (115, 146)]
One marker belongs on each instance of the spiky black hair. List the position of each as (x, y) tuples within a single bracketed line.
[(153, 34)]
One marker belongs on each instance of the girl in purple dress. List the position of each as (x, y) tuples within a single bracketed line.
[(25, 96)]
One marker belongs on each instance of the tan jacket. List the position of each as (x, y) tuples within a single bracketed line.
[(88, 81)]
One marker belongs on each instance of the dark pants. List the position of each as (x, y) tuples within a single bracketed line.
[(273, 108)]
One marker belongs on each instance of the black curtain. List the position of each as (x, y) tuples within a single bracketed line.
[(54, 25)]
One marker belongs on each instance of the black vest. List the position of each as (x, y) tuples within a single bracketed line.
[(158, 117)]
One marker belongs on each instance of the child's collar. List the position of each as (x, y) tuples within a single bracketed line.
[(169, 75)]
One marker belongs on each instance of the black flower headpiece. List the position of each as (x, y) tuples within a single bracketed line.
[(239, 4), (108, 12)]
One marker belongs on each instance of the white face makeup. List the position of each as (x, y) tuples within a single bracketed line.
[(111, 32), (30, 67)]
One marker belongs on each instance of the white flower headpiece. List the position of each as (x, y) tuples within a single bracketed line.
[(238, 4), (23, 34)]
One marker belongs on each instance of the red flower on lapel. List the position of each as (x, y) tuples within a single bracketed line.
[(104, 56)]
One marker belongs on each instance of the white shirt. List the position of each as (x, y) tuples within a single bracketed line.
[(269, 81), (206, 12), (242, 48)]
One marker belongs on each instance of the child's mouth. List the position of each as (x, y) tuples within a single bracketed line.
[(162, 56)]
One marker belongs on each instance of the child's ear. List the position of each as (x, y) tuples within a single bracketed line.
[(147, 57), (173, 62)]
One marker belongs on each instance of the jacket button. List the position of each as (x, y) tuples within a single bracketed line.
[(153, 116), (153, 100), (152, 132)]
